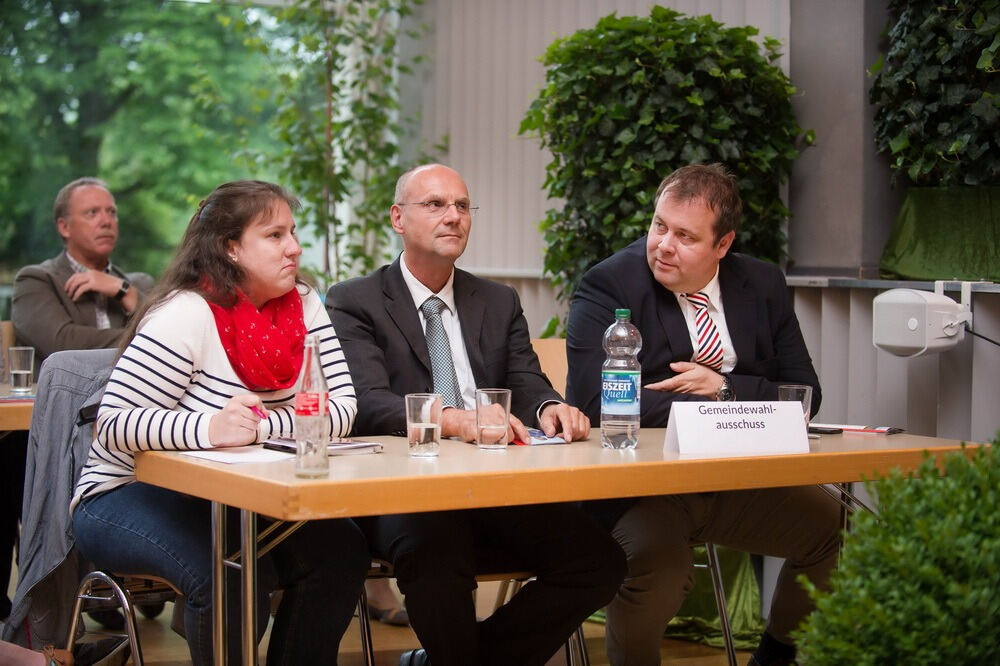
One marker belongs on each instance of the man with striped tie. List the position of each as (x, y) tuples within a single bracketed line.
[(716, 325)]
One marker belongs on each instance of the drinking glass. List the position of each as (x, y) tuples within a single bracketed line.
[(21, 361), (799, 392), (492, 418), (423, 423)]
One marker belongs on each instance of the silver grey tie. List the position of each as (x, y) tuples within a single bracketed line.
[(442, 366)]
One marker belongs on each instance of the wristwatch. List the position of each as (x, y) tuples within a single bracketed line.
[(726, 392), (124, 290)]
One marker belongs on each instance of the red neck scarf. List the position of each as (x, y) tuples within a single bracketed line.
[(264, 346)]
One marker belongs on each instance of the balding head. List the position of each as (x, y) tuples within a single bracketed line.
[(432, 214), (404, 179)]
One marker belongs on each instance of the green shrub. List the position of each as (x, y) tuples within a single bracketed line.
[(920, 582), (632, 99), (938, 92)]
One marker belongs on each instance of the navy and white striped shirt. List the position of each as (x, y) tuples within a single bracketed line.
[(175, 375)]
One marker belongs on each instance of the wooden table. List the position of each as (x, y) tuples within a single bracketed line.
[(464, 477), (15, 414)]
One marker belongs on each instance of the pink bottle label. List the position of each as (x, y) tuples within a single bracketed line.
[(307, 404)]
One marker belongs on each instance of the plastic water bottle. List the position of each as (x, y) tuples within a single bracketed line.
[(312, 424), (621, 381)]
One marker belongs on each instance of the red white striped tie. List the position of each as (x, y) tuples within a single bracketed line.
[(709, 343)]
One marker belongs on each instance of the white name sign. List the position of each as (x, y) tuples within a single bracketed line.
[(728, 429)]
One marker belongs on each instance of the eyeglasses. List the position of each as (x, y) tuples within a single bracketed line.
[(437, 208)]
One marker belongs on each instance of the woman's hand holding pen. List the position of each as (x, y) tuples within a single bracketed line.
[(236, 424)]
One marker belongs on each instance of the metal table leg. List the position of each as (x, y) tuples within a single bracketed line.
[(245, 560), (218, 583), (249, 579)]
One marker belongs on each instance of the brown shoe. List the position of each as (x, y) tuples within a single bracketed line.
[(57, 657)]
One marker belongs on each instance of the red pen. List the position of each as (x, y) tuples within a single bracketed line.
[(258, 411)]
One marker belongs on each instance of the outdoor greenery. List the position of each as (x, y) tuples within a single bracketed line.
[(165, 100), (338, 119), (918, 583), (153, 96), (632, 99), (938, 92)]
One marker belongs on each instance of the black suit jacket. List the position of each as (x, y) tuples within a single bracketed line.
[(382, 338), (759, 315)]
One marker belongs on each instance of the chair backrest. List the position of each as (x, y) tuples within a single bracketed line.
[(6, 342), (551, 354), (57, 450)]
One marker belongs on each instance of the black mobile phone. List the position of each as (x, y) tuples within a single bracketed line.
[(819, 430)]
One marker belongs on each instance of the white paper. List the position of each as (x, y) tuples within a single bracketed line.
[(239, 454), (731, 429)]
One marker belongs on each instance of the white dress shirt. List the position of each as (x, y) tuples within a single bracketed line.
[(718, 315)]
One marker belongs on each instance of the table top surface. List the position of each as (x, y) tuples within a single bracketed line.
[(463, 476), (15, 410)]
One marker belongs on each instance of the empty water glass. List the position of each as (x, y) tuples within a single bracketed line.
[(799, 392)]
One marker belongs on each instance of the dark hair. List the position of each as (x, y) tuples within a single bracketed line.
[(202, 263), (711, 183), (61, 205)]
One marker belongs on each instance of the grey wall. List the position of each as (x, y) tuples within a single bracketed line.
[(839, 194)]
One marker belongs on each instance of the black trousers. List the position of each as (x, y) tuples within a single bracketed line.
[(577, 564)]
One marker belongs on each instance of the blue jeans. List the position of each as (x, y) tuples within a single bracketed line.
[(142, 529)]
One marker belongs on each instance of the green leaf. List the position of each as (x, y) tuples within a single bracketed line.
[(626, 136), (985, 60), (987, 108), (876, 66)]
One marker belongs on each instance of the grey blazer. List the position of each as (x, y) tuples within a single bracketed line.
[(383, 341), (46, 318)]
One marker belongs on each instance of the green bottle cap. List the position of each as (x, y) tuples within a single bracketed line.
[(623, 313)]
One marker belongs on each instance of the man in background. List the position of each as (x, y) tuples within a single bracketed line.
[(387, 322), (715, 326), (75, 300)]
